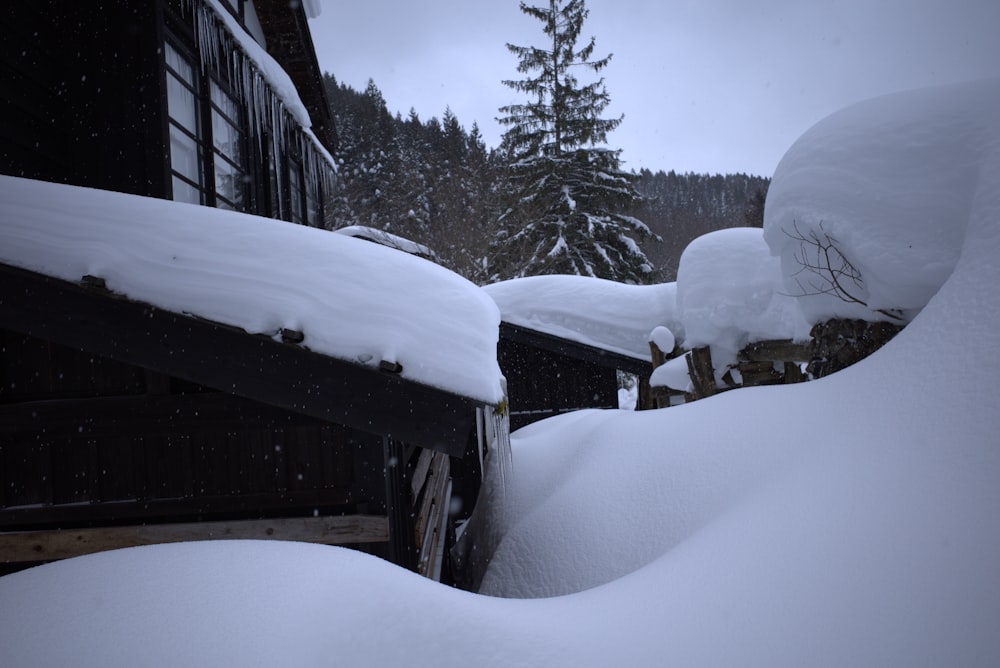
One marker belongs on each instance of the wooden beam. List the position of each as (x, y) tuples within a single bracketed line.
[(398, 505), (20, 518), (702, 372), (229, 359), (62, 544)]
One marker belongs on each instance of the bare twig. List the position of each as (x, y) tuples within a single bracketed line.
[(825, 270)]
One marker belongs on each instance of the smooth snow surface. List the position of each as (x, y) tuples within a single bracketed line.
[(612, 316), (850, 521), (352, 299)]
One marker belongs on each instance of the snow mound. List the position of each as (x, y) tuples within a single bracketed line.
[(729, 294), (855, 498), (593, 311), (889, 182), (352, 299)]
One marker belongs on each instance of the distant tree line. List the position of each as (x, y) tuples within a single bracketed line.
[(681, 207), (438, 184)]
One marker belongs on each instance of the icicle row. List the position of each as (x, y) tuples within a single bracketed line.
[(267, 114)]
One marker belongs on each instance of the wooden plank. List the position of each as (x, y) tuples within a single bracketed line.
[(437, 557), (39, 515), (256, 367), (433, 500), (433, 513), (62, 544), (421, 471)]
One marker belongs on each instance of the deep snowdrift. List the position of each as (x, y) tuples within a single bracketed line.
[(848, 521)]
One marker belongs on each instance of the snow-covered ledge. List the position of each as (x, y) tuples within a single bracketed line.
[(352, 300)]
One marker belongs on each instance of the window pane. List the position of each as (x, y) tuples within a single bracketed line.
[(225, 103), (185, 192), (229, 183), (181, 104), (184, 155), (226, 138), (181, 66), (295, 192)]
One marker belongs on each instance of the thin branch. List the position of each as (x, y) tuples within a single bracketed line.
[(832, 273)]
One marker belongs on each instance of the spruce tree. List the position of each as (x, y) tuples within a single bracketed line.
[(567, 192)]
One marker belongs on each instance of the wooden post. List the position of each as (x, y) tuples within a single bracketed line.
[(398, 505), (702, 372)]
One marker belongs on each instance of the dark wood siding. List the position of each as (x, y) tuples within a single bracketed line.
[(76, 453), (543, 383), (547, 375), (81, 98)]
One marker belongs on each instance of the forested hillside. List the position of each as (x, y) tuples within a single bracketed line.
[(435, 182), (682, 207)]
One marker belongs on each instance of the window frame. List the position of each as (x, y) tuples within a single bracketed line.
[(209, 154)]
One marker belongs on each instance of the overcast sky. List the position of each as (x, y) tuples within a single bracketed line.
[(712, 86)]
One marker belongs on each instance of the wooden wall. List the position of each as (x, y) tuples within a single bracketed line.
[(542, 383), (82, 98), (87, 441)]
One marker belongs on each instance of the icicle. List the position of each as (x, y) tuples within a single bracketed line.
[(267, 114), (501, 444)]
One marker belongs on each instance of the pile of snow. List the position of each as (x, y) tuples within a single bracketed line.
[(865, 476), (729, 293), (890, 182), (353, 300), (612, 316), (848, 521)]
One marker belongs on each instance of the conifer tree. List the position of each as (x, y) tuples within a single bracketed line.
[(567, 191)]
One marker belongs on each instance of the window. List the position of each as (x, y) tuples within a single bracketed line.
[(207, 140), (227, 148), (231, 145), (186, 163)]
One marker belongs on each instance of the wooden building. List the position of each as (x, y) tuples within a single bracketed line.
[(203, 101), (123, 423), (548, 375)]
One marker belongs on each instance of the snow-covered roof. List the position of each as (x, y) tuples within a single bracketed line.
[(612, 316), (353, 300)]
